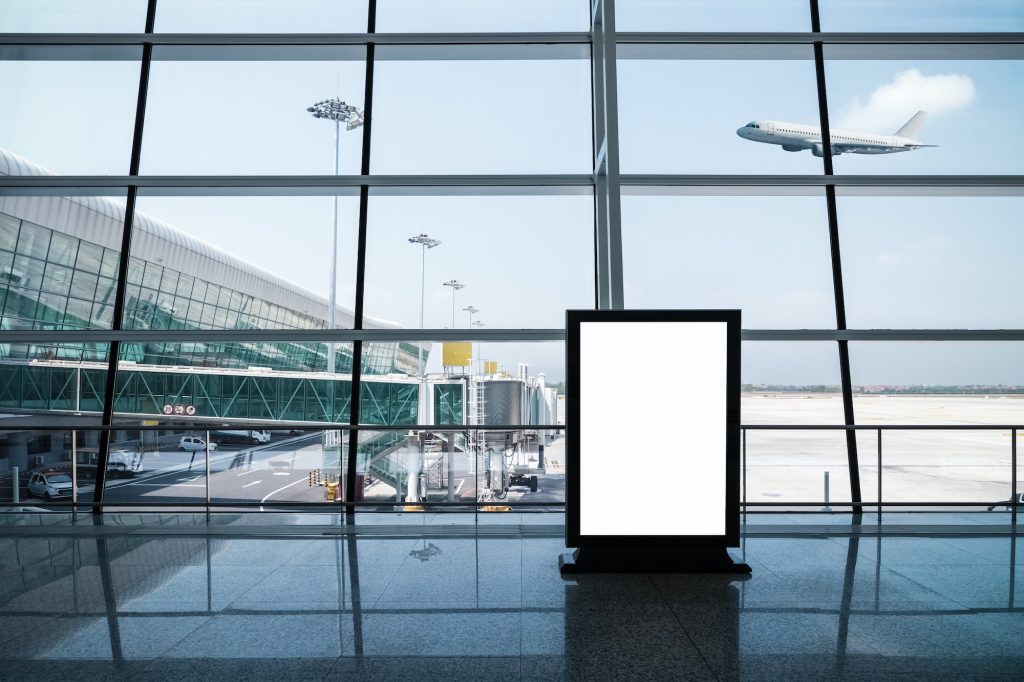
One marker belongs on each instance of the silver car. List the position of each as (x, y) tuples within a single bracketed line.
[(194, 444), (50, 484)]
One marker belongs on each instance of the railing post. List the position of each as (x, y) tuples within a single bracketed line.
[(74, 473), (207, 476), (1013, 479), (879, 500), (744, 467)]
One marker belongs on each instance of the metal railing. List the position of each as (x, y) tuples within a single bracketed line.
[(204, 460)]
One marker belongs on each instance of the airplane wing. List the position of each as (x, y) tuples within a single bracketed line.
[(852, 149)]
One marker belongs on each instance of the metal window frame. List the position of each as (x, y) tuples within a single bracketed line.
[(606, 183)]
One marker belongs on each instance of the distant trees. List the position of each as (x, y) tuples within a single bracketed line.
[(914, 389)]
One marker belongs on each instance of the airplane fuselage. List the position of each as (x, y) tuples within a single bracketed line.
[(795, 137)]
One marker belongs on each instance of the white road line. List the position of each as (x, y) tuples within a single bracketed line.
[(173, 485), (269, 495), (282, 473), (253, 483), (250, 471)]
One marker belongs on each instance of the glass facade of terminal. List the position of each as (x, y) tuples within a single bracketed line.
[(512, 160), (54, 281)]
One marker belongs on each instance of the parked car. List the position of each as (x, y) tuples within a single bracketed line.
[(194, 443), (50, 484)]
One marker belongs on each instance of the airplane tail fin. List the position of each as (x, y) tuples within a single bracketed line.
[(911, 127)]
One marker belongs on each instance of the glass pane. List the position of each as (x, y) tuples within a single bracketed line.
[(249, 117), (276, 381), (481, 116), (710, 252), (873, 106), (267, 466), (921, 15), (497, 467), (947, 382), (261, 16), (943, 466), (494, 384), (459, 375), (932, 262), (96, 139), (788, 382), (46, 378), (43, 283), (67, 16), (549, 260), (939, 383), (42, 462), (443, 16), (676, 117), (253, 262), (165, 466), (793, 383), (712, 15)]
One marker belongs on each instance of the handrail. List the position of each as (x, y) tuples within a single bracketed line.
[(389, 435), (327, 426)]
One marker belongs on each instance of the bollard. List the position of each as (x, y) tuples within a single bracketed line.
[(16, 494), (826, 492)]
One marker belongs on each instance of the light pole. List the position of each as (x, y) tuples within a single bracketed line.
[(335, 110), (455, 285), (427, 243)]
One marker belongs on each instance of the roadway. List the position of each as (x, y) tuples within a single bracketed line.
[(277, 471), (274, 472)]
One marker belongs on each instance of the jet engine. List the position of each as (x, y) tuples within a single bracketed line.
[(792, 148), (819, 150)]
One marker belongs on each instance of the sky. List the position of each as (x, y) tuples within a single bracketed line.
[(908, 261)]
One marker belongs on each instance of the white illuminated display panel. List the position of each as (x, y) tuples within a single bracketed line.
[(652, 428)]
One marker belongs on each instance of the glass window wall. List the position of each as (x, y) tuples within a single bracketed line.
[(465, 250)]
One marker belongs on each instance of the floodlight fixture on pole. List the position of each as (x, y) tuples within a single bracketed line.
[(455, 285), (426, 243), (338, 111), (472, 311)]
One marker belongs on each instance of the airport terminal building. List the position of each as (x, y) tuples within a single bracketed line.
[(58, 263)]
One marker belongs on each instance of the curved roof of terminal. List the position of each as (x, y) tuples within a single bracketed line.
[(275, 289)]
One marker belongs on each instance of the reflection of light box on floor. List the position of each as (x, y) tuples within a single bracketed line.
[(653, 438)]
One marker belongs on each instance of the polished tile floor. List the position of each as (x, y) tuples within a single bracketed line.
[(79, 604)]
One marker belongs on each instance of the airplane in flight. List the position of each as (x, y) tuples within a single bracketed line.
[(795, 137)]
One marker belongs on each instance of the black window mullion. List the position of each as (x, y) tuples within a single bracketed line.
[(364, 200), (121, 284), (837, 267)]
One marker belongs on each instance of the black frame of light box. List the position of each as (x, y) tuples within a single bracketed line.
[(731, 510)]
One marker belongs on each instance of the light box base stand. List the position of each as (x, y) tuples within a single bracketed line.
[(649, 560)]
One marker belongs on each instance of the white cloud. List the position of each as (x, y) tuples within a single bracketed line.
[(914, 253), (892, 104)]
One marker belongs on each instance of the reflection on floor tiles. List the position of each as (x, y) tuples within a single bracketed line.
[(470, 607)]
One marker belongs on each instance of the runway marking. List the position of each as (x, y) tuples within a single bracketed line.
[(246, 473), (253, 483), (282, 473), (268, 496)]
